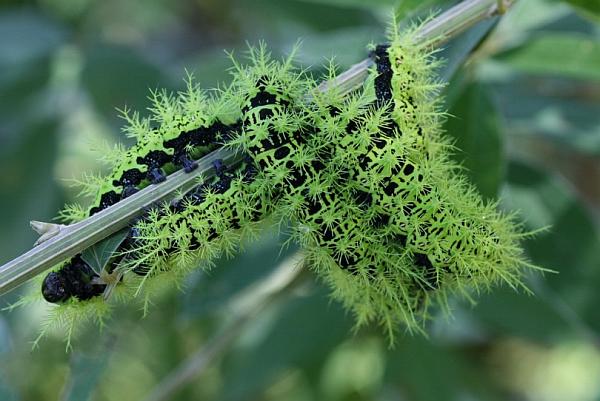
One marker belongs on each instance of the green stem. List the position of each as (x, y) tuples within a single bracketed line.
[(75, 238), (280, 283)]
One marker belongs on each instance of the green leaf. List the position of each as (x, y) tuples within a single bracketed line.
[(565, 303), (276, 20), (552, 110), (458, 50), (7, 393), (526, 17), (27, 187), (339, 45), (505, 312), (475, 126), (559, 54), (353, 3), (570, 246), (98, 255), (298, 335), (27, 44), (26, 36), (424, 370), (589, 7), (409, 8), (7, 390), (117, 76), (85, 372), (210, 291)]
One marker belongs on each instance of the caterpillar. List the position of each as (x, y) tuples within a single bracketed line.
[(189, 127), (383, 214), (57, 285)]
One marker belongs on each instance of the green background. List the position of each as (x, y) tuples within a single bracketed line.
[(524, 95)]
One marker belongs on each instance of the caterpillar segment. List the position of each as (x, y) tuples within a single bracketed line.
[(442, 210), (187, 231), (194, 232), (340, 225), (187, 131), (76, 279)]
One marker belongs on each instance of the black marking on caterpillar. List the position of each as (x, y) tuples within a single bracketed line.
[(155, 161), (383, 80)]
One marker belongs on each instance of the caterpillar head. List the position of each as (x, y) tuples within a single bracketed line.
[(55, 288), (74, 279)]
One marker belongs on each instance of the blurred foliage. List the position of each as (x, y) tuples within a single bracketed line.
[(524, 99)]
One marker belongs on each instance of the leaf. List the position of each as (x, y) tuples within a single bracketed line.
[(353, 3), (589, 7), (424, 370), (98, 255), (116, 76), (299, 334), (570, 246), (566, 302), (7, 393), (458, 49), (475, 126), (505, 312), (410, 8), (526, 18), (85, 372), (27, 188), (26, 36), (552, 110), (27, 43), (339, 45), (212, 290), (566, 55)]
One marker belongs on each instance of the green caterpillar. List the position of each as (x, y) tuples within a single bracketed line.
[(188, 127), (384, 215)]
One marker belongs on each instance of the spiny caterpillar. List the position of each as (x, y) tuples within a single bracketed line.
[(188, 128), (383, 214)]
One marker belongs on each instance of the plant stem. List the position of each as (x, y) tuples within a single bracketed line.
[(75, 238), (287, 276)]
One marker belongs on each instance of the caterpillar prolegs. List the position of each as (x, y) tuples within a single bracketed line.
[(384, 215)]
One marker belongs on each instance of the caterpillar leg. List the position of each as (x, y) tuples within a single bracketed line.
[(128, 191), (187, 164)]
